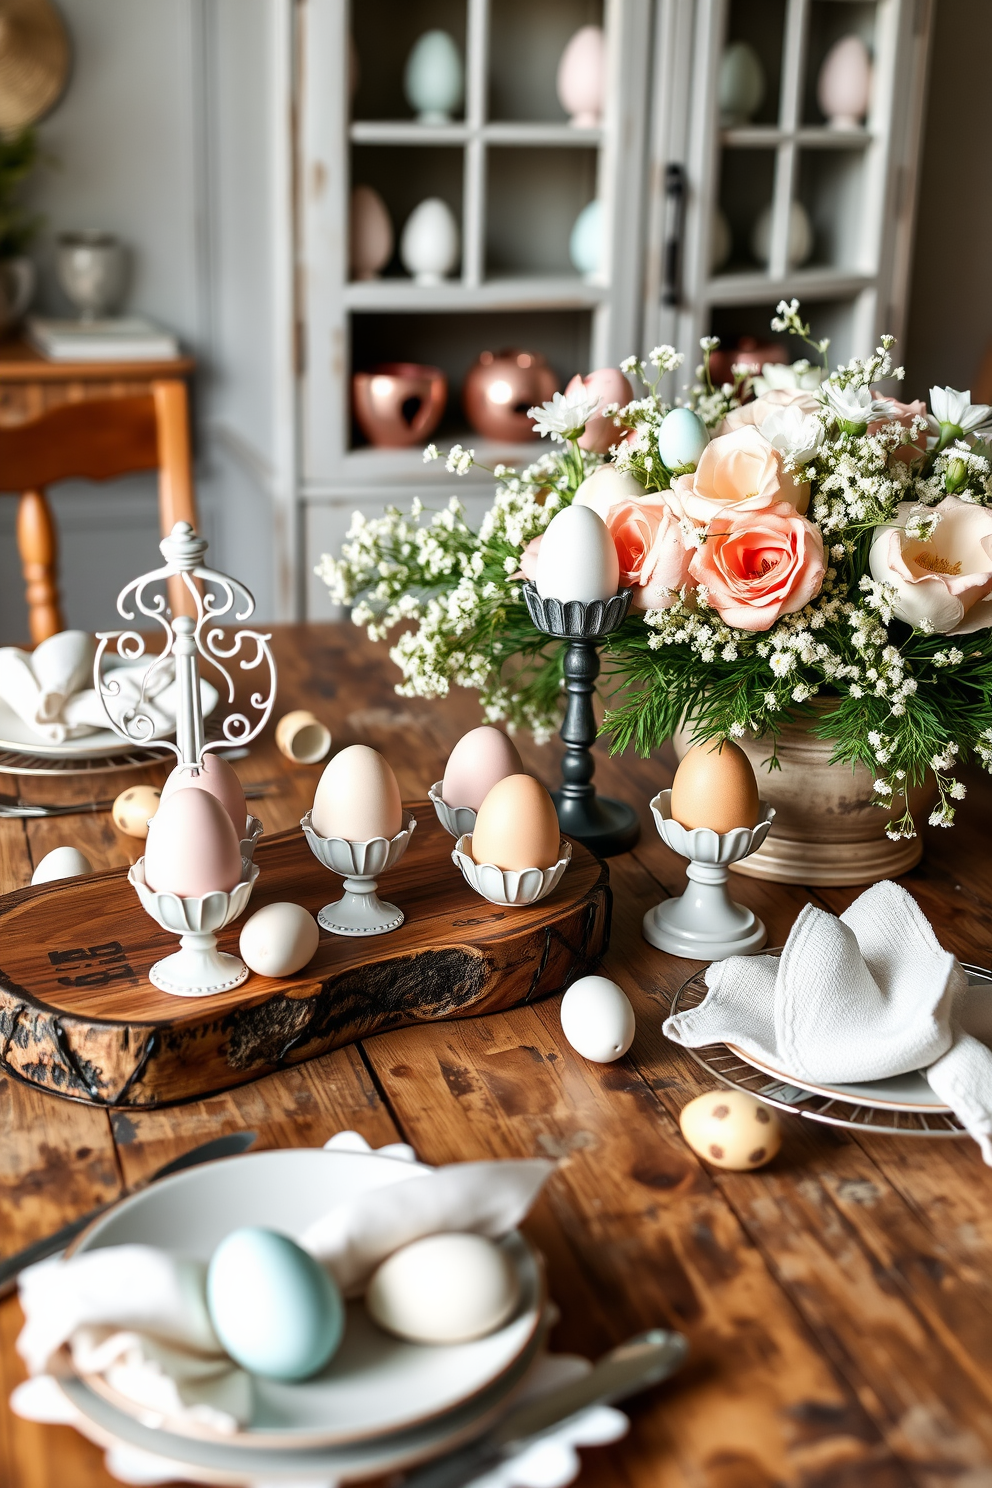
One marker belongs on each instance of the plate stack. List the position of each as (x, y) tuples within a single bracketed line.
[(381, 1405)]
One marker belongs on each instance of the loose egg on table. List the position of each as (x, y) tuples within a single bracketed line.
[(597, 1019), (715, 787), (517, 826), (478, 761), (215, 776), (134, 809), (731, 1129), (444, 1289), (61, 862), (357, 797), (192, 847), (279, 939), (577, 558), (275, 1310)]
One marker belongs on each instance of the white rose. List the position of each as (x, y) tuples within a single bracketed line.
[(945, 582)]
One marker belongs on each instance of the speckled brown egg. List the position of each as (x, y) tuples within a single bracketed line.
[(714, 787), (731, 1129), (134, 809)]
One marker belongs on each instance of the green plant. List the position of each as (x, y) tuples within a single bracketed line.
[(18, 156)]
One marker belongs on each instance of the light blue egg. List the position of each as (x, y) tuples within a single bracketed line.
[(682, 438), (741, 85), (434, 77), (585, 246), (274, 1309)]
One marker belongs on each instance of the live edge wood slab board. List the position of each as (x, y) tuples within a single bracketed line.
[(79, 1017)]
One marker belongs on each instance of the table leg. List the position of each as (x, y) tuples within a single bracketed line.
[(38, 547)]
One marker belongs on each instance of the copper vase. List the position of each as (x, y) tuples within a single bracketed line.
[(399, 403), (499, 390)]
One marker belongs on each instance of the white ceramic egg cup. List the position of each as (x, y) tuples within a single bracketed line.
[(360, 911), (511, 886), (456, 820), (249, 842), (197, 969), (705, 924)]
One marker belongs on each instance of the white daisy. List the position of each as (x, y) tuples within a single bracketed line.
[(566, 415)]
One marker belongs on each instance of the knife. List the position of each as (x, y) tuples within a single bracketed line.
[(12, 1266), (644, 1360)]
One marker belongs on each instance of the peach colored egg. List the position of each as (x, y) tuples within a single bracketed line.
[(476, 763), (357, 797), (714, 787), (192, 847), (220, 779), (517, 826)]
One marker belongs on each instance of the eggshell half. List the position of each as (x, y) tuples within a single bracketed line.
[(444, 1289), (517, 826), (218, 778), (577, 558), (357, 797), (279, 939), (192, 847), (715, 787), (61, 862), (477, 762), (731, 1129), (597, 1019)]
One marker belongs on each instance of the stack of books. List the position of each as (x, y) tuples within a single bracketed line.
[(119, 339)]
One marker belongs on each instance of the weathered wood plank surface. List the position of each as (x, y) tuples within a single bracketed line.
[(839, 1302)]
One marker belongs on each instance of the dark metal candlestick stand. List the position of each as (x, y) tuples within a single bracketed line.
[(606, 827)]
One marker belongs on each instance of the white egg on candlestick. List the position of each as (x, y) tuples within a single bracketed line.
[(577, 559)]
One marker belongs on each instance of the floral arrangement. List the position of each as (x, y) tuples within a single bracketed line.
[(790, 537)]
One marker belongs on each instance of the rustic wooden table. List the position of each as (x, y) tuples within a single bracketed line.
[(838, 1302)]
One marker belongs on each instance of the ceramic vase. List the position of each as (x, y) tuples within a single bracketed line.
[(801, 236), (827, 829), (370, 234), (90, 267), (430, 243), (585, 243), (581, 81), (741, 84), (434, 79), (17, 281), (399, 403), (843, 88), (498, 391)]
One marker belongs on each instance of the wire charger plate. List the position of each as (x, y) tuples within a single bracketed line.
[(730, 1069), (13, 762)]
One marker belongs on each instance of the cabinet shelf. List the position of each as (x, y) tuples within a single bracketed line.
[(544, 293), (401, 132), (756, 288), (810, 136)]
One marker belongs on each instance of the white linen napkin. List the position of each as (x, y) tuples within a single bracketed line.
[(863, 997)]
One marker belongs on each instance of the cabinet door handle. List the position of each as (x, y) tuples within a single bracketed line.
[(675, 195)]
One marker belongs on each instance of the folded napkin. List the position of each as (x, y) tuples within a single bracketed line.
[(863, 997), (138, 1315)]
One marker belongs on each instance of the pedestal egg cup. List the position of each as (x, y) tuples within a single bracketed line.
[(514, 887), (705, 924), (456, 820), (360, 911), (198, 968), (249, 842)]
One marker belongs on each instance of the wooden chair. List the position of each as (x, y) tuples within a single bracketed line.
[(96, 439)]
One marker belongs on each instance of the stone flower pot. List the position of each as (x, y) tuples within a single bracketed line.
[(827, 829)]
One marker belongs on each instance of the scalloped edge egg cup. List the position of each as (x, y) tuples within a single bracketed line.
[(360, 911), (249, 842), (705, 924), (457, 821), (513, 887), (197, 969)]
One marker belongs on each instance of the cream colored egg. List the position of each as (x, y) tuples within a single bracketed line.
[(517, 826), (731, 1129), (279, 939), (192, 847), (357, 797), (61, 862), (220, 779), (577, 558), (478, 761), (715, 787), (607, 487), (597, 1019), (444, 1289), (134, 809)]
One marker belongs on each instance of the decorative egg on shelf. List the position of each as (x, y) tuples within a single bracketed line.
[(431, 242), (499, 389), (370, 234), (434, 78), (581, 80), (399, 403), (801, 237), (577, 558), (843, 87), (585, 242), (741, 84)]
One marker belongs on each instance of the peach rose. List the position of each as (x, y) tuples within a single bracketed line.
[(740, 470), (759, 565), (755, 412), (654, 559), (601, 434)]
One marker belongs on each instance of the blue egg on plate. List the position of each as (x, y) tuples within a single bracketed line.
[(682, 437), (274, 1309)]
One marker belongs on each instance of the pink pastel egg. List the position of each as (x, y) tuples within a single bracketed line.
[(218, 778), (478, 761), (601, 434), (192, 847)]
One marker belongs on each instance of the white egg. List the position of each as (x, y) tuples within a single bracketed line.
[(61, 862), (279, 939), (607, 487), (444, 1289), (577, 558), (597, 1019), (731, 1129)]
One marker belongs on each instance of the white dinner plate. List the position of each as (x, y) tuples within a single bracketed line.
[(375, 1384), (18, 735)]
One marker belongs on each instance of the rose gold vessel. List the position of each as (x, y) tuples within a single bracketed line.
[(399, 403), (499, 389)]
